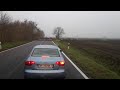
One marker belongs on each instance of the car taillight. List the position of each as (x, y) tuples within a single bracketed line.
[(29, 63), (60, 63)]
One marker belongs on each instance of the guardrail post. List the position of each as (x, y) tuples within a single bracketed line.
[(0, 46)]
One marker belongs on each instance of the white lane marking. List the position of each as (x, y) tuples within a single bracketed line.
[(74, 65), (15, 47)]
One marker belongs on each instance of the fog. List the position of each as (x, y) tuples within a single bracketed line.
[(82, 24)]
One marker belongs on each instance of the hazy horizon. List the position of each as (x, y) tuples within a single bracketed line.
[(78, 24)]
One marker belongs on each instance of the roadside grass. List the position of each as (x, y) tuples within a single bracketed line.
[(91, 68), (106, 62), (9, 45)]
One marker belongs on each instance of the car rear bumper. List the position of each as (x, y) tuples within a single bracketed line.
[(44, 74)]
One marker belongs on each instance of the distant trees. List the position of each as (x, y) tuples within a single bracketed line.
[(58, 32), (17, 30)]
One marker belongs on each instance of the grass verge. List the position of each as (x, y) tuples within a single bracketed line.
[(91, 68), (9, 45)]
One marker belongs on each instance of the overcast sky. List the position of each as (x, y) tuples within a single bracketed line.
[(85, 24)]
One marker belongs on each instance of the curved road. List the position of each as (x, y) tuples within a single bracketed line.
[(12, 62)]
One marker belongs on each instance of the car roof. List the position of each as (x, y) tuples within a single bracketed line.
[(47, 46)]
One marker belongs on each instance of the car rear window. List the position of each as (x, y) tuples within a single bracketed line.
[(39, 52)]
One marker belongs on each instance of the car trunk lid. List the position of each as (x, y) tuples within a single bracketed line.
[(45, 63)]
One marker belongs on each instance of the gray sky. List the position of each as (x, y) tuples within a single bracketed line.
[(92, 24)]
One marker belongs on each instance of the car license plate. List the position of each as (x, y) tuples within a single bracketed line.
[(45, 66)]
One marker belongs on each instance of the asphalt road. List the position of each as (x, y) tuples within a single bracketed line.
[(12, 62)]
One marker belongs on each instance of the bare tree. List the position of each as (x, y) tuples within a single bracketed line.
[(58, 32), (4, 18)]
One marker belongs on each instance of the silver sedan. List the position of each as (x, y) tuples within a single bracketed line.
[(45, 62)]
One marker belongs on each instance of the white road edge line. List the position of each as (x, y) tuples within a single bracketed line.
[(15, 47), (74, 65)]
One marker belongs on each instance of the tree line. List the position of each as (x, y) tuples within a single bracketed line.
[(11, 31)]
